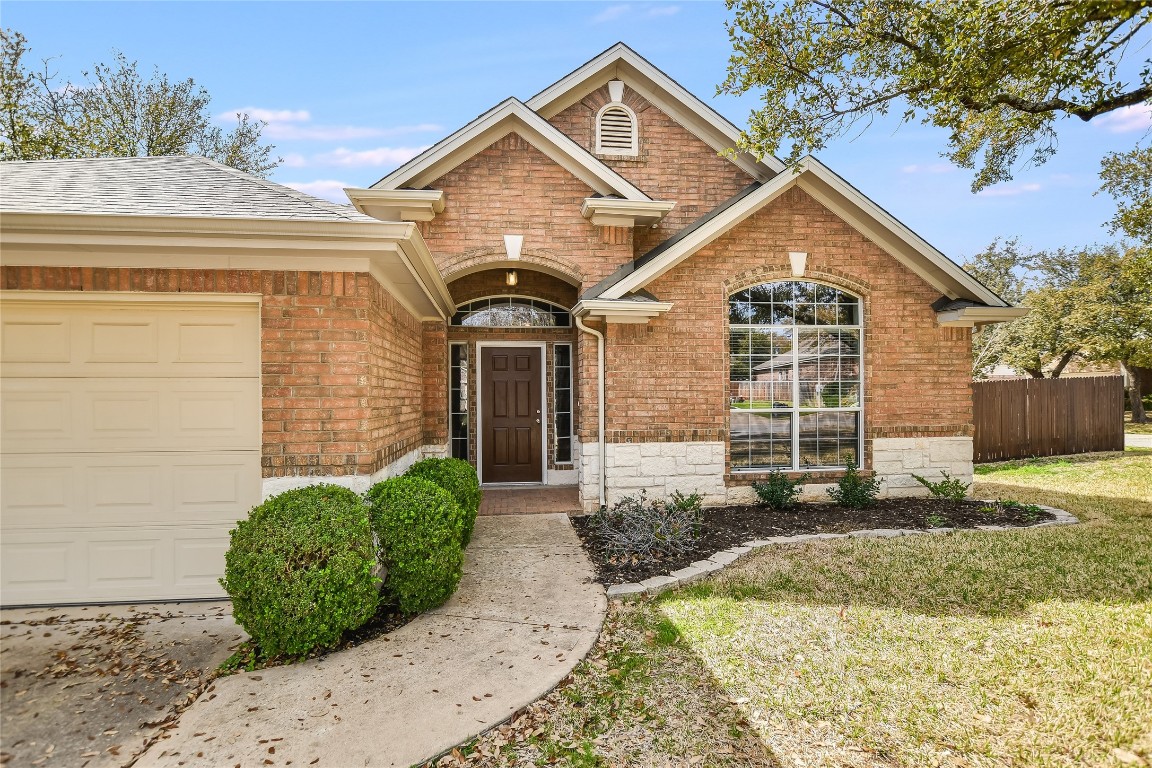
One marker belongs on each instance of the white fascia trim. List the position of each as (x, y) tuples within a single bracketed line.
[(510, 116), (970, 317), (397, 204), (621, 310), (612, 212), (875, 223), (622, 63), (82, 240)]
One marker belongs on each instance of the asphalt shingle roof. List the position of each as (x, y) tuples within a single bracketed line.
[(156, 186)]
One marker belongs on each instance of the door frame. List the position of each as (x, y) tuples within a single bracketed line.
[(544, 423)]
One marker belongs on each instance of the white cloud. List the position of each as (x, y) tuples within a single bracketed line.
[(377, 156), (293, 160), (1127, 119), (928, 168), (295, 125), (329, 189), (1010, 190), (611, 13), (274, 115)]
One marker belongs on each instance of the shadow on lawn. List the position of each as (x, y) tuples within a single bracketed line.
[(1106, 559)]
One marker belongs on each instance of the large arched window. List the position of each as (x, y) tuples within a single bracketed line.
[(511, 312), (794, 377)]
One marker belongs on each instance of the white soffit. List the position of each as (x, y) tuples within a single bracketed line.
[(970, 317), (510, 116), (622, 63), (845, 201), (397, 204), (635, 312), (613, 212)]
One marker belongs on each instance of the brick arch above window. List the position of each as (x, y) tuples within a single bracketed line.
[(783, 273), (497, 258)]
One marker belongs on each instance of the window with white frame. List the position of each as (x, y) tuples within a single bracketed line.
[(795, 377), (562, 402), (616, 131), (458, 400)]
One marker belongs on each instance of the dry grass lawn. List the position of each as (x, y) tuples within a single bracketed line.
[(1023, 648)]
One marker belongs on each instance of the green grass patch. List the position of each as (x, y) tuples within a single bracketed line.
[(1030, 648)]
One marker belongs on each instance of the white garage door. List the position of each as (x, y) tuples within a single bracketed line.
[(129, 445)]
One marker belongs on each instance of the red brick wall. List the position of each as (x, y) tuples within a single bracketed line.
[(672, 163), (513, 188), (340, 358), (491, 282), (668, 380)]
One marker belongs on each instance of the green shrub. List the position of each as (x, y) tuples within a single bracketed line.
[(419, 526), (854, 490), (459, 479), (947, 488), (301, 571), (778, 492)]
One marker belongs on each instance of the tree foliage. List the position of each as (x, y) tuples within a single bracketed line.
[(116, 112), (997, 74), (1127, 176)]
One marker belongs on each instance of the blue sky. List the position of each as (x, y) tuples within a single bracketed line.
[(351, 90)]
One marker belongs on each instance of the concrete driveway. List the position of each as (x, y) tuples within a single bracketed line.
[(526, 612), (91, 686)]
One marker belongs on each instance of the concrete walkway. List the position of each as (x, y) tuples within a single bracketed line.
[(1138, 441), (526, 612)]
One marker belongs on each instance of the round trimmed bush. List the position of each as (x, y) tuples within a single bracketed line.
[(418, 525), (300, 570), (459, 479)]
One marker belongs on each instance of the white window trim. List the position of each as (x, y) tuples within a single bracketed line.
[(571, 401), (635, 148), (795, 411), (506, 327), (544, 411)]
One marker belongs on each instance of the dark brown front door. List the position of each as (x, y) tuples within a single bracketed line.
[(511, 422)]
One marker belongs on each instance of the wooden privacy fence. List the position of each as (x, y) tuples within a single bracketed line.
[(1018, 418)]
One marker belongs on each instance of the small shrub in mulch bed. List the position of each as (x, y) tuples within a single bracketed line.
[(724, 527)]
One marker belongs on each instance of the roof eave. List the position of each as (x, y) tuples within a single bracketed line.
[(974, 317)]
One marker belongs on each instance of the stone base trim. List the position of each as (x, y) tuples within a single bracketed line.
[(358, 483), (896, 459), (719, 561)]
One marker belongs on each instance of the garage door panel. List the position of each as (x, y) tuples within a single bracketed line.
[(99, 414), (112, 564), (94, 490), (93, 339), (130, 437)]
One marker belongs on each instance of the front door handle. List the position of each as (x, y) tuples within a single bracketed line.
[(537, 421)]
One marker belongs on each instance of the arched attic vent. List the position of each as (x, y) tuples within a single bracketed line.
[(616, 125)]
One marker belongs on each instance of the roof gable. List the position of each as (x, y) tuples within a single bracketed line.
[(837, 195), (510, 116), (622, 63)]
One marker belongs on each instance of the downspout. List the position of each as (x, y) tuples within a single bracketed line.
[(599, 398)]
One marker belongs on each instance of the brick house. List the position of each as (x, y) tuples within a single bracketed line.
[(582, 281)]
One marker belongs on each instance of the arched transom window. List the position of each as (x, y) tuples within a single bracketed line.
[(511, 312), (794, 377)]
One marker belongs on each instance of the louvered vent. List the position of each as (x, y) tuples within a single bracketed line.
[(616, 133)]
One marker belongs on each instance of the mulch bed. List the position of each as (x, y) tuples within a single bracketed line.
[(725, 527)]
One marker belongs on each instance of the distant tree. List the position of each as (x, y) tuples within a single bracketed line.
[(1127, 176), (116, 113), (1089, 303), (1113, 312), (997, 74)]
